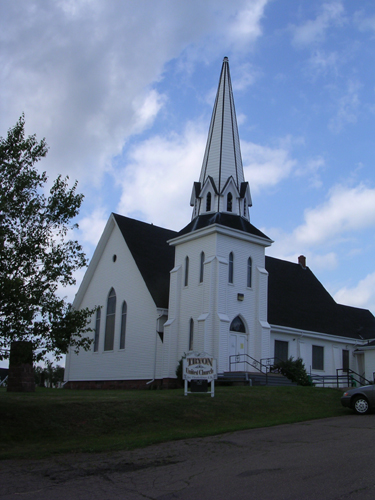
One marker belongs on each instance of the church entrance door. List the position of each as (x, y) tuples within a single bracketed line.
[(237, 348)]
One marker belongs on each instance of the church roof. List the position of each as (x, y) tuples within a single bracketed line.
[(152, 254), (223, 219), (296, 298)]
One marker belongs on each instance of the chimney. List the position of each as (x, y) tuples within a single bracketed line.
[(302, 261)]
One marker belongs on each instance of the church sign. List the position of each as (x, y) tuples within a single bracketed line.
[(199, 366)]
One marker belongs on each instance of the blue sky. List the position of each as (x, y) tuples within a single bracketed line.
[(123, 92)]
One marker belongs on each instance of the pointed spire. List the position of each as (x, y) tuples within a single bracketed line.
[(222, 170)]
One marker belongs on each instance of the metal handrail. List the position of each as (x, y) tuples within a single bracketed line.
[(351, 376), (258, 365)]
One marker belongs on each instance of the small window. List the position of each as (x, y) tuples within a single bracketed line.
[(97, 330), (237, 325), (249, 271), (208, 202), (186, 280), (230, 268), (244, 207), (191, 334), (317, 357), (201, 270), (123, 325), (110, 321), (229, 202)]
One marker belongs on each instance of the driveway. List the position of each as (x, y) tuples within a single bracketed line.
[(321, 459)]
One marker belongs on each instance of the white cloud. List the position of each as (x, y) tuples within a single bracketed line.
[(312, 169), (348, 108), (346, 211), (245, 27), (361, 295), (246, 75), (265, 166), (314, 31), (158, 179), (92, 226), (83, 72)]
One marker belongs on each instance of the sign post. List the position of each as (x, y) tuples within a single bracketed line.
[(199, 368)]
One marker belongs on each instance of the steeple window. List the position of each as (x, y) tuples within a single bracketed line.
[(208, 202), (201, 270), (229, 202), (249, 271), (110, 321), (186, 280), (230, 268), (244, 207)]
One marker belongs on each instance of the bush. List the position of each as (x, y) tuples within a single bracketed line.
[(294, 370)]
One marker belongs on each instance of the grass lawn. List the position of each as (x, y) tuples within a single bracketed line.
[(52, 421)]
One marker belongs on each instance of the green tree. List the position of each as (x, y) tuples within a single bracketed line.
[(36, 257), (294, 370)]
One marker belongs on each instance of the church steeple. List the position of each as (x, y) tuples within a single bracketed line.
[(222, 186)]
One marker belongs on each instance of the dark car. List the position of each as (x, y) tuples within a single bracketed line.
[(361, 399)]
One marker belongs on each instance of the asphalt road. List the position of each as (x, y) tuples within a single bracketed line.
[(319, 460)]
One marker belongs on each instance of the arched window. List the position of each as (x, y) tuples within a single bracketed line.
[(97, 330), (110, 321), (208, 202), (229, 202), (201, 269), (186, 281), (237, 325), (249, 271), (191, 334), (230, 268), (123, 325)]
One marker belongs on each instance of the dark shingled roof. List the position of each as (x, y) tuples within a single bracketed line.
[(223, 219), (296, 298), (152, 254)]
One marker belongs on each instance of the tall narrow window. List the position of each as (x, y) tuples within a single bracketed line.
[(97, 330), (249, 271), (230, 268), (201, 270), (110, 321), (208, 202), (191, 334), (244, 207), (123, 325), (229, 202), (186, 281), (317, 357)]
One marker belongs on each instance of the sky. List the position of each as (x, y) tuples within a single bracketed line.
[(123, 92)]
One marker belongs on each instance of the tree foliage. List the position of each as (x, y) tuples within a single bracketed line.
[(294, 370), (36, 257)]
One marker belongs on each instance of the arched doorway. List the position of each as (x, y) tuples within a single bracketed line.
[(237, 345)]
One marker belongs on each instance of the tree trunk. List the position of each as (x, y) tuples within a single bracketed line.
[(21, 373)]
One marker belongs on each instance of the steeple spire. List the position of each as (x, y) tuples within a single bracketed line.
[(222, 186)]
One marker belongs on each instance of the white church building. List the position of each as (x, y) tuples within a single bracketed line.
[(209, 287)]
